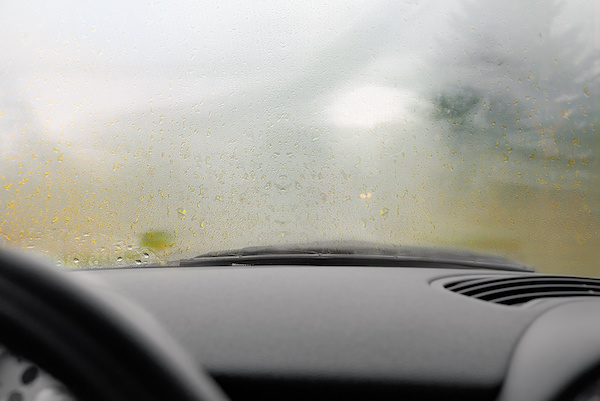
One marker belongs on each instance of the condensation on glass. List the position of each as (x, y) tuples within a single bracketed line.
[(144, 132)]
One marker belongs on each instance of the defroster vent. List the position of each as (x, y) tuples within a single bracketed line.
[(517, 290)]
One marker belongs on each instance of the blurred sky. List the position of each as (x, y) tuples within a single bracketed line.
[(69, 62), (75, 61)]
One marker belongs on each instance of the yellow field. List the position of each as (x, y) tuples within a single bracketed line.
[(553, 231)]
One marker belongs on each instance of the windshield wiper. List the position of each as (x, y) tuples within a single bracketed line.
[(353, 253)]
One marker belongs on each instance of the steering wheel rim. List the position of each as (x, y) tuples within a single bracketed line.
[(99, 344)]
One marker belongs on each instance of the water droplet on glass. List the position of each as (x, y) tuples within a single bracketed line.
[(181, 212), (540, 38), (586, 90), (119, 259), (75, 260), (146, 256), (138, 262), (383, 213)]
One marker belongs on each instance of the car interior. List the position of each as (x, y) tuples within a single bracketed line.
[(310, 200)]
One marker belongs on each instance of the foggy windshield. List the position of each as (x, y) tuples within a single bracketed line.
[(136, 132)]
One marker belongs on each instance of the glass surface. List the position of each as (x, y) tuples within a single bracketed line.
[(137, 132)]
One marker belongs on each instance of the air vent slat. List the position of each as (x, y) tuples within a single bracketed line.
[(517, 290), (525, 288), (476, 285), (522, 298)]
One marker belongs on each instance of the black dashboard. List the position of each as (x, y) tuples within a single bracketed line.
[(333, 332), (294, 332)]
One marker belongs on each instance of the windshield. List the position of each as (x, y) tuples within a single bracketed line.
[(145, 132)]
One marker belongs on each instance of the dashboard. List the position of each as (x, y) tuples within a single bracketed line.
[(351, 332)]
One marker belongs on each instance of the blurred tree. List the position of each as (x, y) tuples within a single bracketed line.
[(455, 107), (156, 240), (532, 77)]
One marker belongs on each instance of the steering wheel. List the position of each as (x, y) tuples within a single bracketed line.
[(98, 343)]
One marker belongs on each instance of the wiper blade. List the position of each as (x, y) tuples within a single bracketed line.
[(312, 259), (353, 253)]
